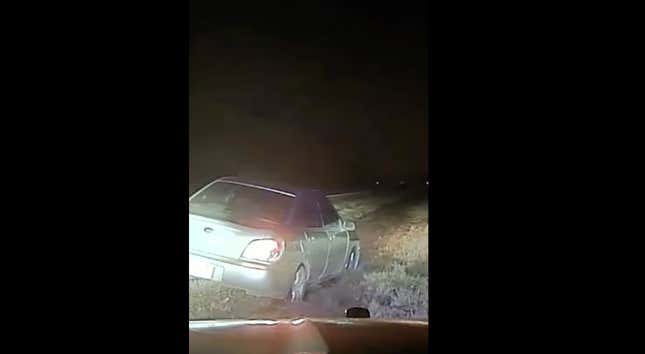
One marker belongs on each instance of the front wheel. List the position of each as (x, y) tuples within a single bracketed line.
[(299, 286)]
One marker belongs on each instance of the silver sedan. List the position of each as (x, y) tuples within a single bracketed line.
[(266, 240)]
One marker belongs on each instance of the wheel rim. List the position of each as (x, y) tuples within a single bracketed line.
[(352, 258), (357, 259), (298, 287)]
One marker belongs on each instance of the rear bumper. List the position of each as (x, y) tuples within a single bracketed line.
[(256, 279)]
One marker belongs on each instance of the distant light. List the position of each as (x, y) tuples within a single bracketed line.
[(378, 182), (427, 183)]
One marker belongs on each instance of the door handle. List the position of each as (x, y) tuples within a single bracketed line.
[(208, 230)]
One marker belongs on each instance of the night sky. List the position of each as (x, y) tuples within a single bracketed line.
[(316, 95)]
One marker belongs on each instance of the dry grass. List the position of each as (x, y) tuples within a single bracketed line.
[(209, 300), (399, 288), (357, 208), (407, 245), (394, 293)]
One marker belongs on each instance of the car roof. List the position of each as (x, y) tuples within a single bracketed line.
[(282, 187)]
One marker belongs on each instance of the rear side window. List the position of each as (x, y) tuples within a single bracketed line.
[(307, 214), (328, 212), (242, 205)]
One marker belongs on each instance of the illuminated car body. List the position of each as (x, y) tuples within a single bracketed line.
[(267, 240)]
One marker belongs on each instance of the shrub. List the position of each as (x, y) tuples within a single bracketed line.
[(394, 293)]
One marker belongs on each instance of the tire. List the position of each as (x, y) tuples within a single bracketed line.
[(298, 288)]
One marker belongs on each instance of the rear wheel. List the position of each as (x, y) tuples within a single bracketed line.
[(299, 286)]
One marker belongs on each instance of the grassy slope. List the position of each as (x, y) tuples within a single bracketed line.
[(398, 288)]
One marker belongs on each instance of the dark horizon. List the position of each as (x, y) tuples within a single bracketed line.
[(316, 96)]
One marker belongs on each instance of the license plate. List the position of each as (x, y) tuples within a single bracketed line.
[(202, 269)]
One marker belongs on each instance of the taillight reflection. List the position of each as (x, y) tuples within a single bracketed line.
[(266, 250)]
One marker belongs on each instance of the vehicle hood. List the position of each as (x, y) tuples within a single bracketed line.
[(309, 335)]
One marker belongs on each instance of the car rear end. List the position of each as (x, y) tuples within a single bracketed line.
[(235, 238), (254, 260)]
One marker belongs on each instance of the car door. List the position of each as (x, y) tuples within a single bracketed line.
[(316, 247), (316, 240), (338, 237)]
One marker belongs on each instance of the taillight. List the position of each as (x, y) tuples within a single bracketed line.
[(267, 250)]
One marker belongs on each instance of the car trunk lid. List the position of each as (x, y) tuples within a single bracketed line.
[(210, 237)]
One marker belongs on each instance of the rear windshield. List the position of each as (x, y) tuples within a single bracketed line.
[(248, 206)]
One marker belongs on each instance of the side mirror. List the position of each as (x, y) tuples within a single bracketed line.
[(357, 312), (349, 225)]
